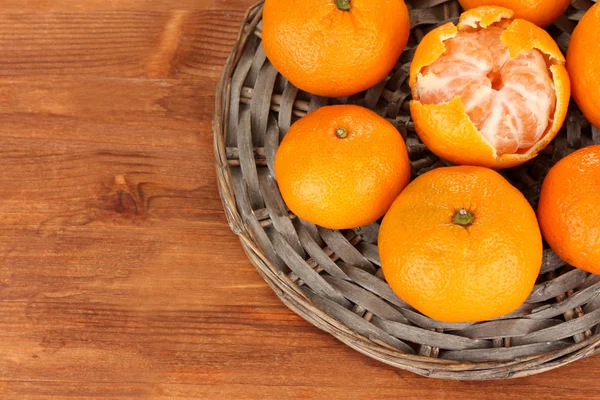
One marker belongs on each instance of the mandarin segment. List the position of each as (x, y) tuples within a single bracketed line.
[(460, 244), (504, 74), (341, 167), (491, 39)]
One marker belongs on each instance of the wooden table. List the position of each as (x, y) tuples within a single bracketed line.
[(119, 276)]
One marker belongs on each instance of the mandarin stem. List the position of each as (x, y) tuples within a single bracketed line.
[(463, 218), (343, 5), (341, 133)]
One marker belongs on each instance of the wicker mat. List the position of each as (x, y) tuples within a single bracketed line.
[(333, 278)]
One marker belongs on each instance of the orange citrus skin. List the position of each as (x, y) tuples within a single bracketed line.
[(540, 12), (457, 273), (568, 209), (583, 62), (446, 128), (341, 183), (326, 51)]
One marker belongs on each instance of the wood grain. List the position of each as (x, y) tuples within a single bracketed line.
[(119, 276), (116, 42)]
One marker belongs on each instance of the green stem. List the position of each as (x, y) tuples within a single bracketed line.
[(463, 218), (341, 133), (343, 5)]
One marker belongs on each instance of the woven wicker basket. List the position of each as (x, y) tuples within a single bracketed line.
[(333, 278)]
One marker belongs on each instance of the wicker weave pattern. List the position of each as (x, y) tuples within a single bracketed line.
[(333, 278)]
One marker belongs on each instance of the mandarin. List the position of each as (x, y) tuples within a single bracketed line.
[(568, 209), (460, 244), (341, 166), (540, 12), (334, 48), (583, 62), (491, 91)]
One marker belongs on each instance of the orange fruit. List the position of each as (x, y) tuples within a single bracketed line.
[(583, 62), (540, 12), (460, 244), (491, 91), (341, 167), (568, 209), (334, 48)]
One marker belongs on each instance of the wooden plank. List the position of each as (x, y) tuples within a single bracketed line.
[(117, 43), (106, 110), (137, 5)]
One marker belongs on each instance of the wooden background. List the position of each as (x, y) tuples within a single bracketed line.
[(119, 277)]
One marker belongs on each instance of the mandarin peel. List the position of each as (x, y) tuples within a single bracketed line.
[(484, 17), (434, 115), (519, 29), (430, 49)]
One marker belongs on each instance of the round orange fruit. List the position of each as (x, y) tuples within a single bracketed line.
[(491, 91), (583, 62), (540, 12), (334, 48), (341, 167), (568, 209), (460, 244)]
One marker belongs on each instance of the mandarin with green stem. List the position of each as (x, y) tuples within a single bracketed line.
[(461, 244), (334, 48), (341, 167)]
